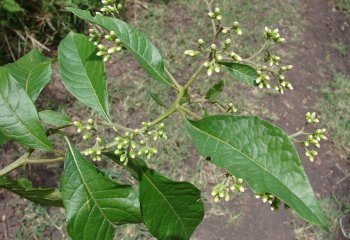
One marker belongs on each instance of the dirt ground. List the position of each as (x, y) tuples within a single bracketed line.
[(327, 174)]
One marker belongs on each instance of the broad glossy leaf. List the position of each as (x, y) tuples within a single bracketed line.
[(214, 91), (170, 210), (135, 41), (54, 118), (82, 72), (93, 202), (260, 153), (23, 187), (18, 117), (244, 73), (33, 72), (3, 138)]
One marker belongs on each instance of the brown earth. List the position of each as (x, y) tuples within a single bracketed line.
[(327, 174)]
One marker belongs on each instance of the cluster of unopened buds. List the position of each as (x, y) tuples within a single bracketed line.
[(223, 190), (104, 51), (130, 145), (314, 138), (86, 128), (110, 7), (263, 78), (273, 35), (270, 199), (216, 53)]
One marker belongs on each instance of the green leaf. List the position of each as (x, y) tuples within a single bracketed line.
[(260, 153), (82, 72), (3, 138), (33, 72), (135, 41), (23, 187), (54, 118), (244, 73), (156, 98), (18, 117), (170, 210), (214, 91), (94, 203), (11, 6)]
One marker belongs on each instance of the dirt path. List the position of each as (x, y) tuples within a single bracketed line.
[(324, 25)]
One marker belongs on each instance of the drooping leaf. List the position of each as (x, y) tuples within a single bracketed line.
[(23, 187), (261, 154), (214, 91), (33, 72), (170, 210), (82, 72), (244, 73), (54, 118), (93, 202), (18, 117), (157, 99), (135, 41), (3, 138), (11, 6)]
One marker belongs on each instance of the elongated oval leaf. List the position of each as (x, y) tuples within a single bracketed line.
[(18, 117), (93, 202), (261, 154), (54, 118), (82, 72), (23, 188), (33, 72), (243, 73), (170, 210), (135, 41)]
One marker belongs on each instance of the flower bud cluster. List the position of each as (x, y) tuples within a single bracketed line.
[(134, 142), (87, 129), (96, 151), (216, 15), (263, 78), (270, 199), (313, 140), (282, 83), (273, 35), (110, 7), (223, 190), (104, 51)]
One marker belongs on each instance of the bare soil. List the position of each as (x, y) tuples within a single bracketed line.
[(327, 174)]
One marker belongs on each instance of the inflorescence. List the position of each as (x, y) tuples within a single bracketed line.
[(134, 142), (229, 184), (224, 51)]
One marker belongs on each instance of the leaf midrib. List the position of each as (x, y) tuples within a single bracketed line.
[(166, 200), (92, 87), (84, 182), (20, 121), (254, 162), (136, 52)]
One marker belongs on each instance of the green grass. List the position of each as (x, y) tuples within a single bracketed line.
[(341, 48), (343, 5), (334, 106)]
